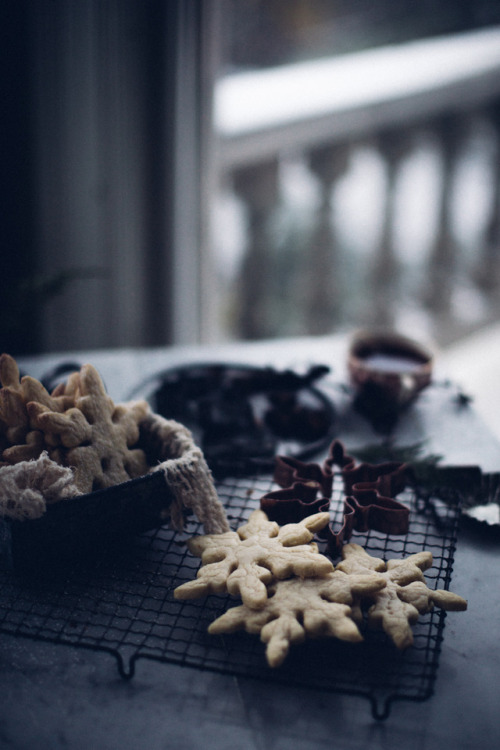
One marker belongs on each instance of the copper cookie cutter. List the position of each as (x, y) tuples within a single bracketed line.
[(369, 495)]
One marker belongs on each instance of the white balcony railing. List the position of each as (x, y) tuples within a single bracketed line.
[(366, 188)]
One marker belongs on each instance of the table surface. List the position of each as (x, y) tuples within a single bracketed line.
[(58, 696)]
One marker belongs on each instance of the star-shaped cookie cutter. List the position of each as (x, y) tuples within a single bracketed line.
[(369, 495)]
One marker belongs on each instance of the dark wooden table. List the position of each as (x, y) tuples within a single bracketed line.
[(59, 696)]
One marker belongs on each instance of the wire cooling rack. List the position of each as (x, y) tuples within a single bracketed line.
[(125, 606)]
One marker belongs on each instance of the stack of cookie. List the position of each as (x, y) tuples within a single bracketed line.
[(76, 441), (290, 591)]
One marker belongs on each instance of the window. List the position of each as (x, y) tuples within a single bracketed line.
[(136, 219), (347, 200)]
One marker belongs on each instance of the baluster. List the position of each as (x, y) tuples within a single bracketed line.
[(320, 291), (385, 274), (443, 257), (487, 271), (258, 187)]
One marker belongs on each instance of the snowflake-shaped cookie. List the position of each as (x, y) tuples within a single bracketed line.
[(405, 596), (20, 440), (244, 562), (95, 436), (297, 609)]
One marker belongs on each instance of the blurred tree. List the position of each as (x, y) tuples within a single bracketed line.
[(263, 33)]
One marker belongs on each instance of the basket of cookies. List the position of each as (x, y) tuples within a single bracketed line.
[(80, 475)]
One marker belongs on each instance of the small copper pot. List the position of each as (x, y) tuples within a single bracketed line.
[(389, 366)]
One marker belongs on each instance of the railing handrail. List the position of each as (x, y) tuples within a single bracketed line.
[(259, 114)]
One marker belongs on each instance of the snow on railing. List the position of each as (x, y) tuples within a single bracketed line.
[(437, 96)]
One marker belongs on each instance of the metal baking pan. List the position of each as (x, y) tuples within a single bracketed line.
[(86, 527)]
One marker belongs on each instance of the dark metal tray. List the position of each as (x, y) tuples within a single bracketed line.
[(124, 605)]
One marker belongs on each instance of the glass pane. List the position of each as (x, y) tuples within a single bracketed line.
[(356, 172)]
